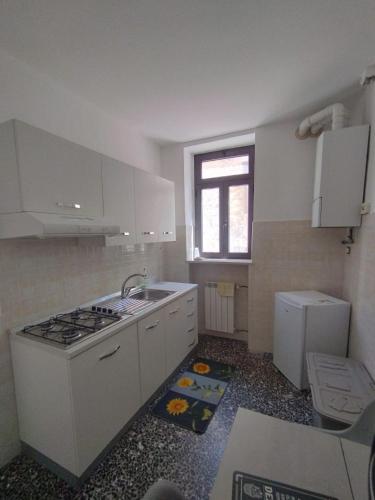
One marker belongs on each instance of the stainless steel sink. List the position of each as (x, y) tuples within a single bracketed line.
[(136, 301), (151, 295)]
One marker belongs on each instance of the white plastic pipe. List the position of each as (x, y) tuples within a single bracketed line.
[(312, 125)]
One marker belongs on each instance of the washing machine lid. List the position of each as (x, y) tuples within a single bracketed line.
[(341, 387), (309, 298)]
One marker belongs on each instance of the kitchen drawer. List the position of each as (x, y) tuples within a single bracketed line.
[(190, 301), (174, 315), (152, 353), (190, 318), (106, 392), (190, 339)]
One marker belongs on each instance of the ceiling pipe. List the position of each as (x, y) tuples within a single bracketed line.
[(313, 125)]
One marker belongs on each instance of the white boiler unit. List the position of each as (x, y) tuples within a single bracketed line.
[(307, 321)]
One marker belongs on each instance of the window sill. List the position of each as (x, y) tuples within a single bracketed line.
[(237, 262)]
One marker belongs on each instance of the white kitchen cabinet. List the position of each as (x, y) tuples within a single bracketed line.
[(146, 207), (46, 173), (43, 173), (174, 320), (190, 338), (166, 207), (106, 392), (151, 353), (118, 199), (71, 405), (70, 409), (154, 208), (181, 333)]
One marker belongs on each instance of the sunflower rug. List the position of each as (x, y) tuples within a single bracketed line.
[(192, 401)]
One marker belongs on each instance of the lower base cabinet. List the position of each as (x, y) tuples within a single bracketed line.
[(106, 392), (181, 329), (151, 353), (70, 410)]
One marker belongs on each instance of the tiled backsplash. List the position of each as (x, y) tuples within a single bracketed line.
[(359, 289), (43, 277), (290, 255)]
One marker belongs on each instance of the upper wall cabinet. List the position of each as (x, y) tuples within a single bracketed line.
[(166, 204), (146, 207), (40, 172), (340, 170), (45, 173), (154, 208), (118, 199)]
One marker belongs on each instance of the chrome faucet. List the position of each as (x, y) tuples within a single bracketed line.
[(126, 290)]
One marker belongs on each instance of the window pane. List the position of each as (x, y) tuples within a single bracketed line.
[(226, 166), (238, 218), (210, 220)]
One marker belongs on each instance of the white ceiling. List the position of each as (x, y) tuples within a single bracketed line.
[(180, 70)]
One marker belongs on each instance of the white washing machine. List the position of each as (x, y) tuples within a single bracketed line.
[(307, 321)]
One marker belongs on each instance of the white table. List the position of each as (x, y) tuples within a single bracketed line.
[(294, 454)]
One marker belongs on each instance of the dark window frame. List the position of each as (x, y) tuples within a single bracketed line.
[(223, 183)]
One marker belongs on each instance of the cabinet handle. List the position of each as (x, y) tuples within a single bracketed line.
[(190, 300), (174, 312), (190, 330), (148, 233), (167, 232), (190, 315), (72, 204), (105, 356), (190, 345), (150, 327)]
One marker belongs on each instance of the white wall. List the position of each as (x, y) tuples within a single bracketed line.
[(36, 99), (284, 170)]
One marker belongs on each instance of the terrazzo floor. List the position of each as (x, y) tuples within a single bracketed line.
[(154, 448)]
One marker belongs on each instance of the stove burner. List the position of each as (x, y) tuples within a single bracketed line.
[(71, 334), (69, 327)]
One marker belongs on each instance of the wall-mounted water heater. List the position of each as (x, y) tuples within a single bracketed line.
[(340, 170)]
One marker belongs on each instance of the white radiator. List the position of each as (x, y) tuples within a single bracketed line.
[(219, 311)]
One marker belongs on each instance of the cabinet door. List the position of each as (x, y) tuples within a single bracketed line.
[(166, 204), (151, 353), (174, 317), (118, 197), (147, 207), (57, 176), (106, 392), (191, 322)]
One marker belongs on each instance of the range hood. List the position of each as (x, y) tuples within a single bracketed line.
[(42, 225)]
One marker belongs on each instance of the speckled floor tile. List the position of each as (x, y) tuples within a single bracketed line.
[(153, 448)]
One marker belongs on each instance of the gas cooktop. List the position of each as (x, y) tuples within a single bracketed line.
[(71, 327)]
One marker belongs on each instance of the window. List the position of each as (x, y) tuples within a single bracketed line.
[(224, 187)]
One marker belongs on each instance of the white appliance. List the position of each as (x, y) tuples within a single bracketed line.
[(307, 321), (340, 169)]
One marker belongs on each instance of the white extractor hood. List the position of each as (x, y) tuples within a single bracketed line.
[(42, 225)]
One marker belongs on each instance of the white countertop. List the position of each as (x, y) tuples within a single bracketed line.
[(293, 454), (93, 339)]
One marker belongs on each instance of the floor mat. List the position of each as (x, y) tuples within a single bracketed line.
[(192, 401)]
